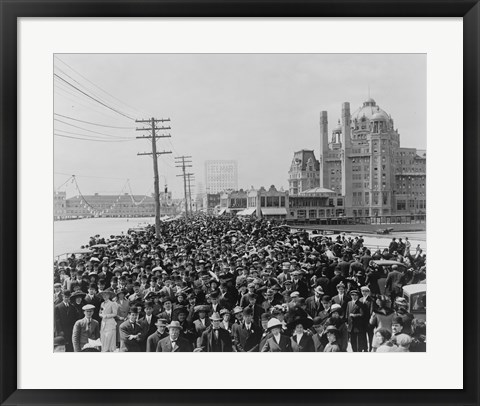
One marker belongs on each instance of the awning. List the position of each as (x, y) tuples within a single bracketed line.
[(274, 211), (247, 212), (223, 210)]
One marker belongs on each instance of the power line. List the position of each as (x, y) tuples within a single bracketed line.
[(93, 98), (98, 87), (95, 137), (74, 97), (89, 122), (90, 139), (85, 129)]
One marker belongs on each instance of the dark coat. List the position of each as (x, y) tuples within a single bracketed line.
[(183, 345), (154, 339), (313, 308), (305, 344), (246, 340), (355, 315), (65, 318), (285, 344), (225, 340), (127, 329)]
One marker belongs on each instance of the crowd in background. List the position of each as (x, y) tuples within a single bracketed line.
[(237, 284)]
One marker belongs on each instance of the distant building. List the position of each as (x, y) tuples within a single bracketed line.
[(361, 160), (59, 205), (210, 201), (220, 175), (233, 201), (304, 173)]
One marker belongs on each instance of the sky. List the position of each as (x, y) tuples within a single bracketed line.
[(257, 109)]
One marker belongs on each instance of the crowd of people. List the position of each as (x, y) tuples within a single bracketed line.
[(223, 284)]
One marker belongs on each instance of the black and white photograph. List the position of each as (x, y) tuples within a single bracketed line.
[(239, 202)]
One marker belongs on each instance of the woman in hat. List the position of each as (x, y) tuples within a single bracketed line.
[(301, 340), (277, 342), (332, 334), (381, 318), (108, 328), (77, 303), (226, 323)]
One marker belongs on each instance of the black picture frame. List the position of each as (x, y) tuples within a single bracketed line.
[(10, 10)]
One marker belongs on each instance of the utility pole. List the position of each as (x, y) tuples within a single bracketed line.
[(153, 128), (182, 160), (190, 178)]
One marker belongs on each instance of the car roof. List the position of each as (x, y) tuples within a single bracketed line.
[(388, 262), (416, 288)]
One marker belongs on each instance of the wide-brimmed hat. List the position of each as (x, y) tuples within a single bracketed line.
[(175, 324), (224, 311), (216, 317), (161, 322), (237, 309), (109, 293), (201, 308), (76, 294), (335, 308), (273, 322), (304, 321)]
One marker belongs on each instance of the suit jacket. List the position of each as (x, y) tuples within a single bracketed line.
[(122, 311), (127, 329), (154, 339), (305, 344), (164, 315), (148, 329), (394, 283), (355, 315), (313, 308), (317, 343), (65, 318), (246, 340), (300, 287), (257, 313), (346, 299), (165, 345), (95, 301), (206, 341), (285, 344), (81, 333)]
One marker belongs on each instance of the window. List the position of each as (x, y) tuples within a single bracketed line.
[(312, 214), (301, 214), (339, 202)]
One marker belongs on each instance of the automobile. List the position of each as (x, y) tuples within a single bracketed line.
[(388, 263), (80, 253), (384, 231), (416, 297)]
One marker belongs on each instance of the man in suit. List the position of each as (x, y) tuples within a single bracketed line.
[(257, 310), (394, 283), (357, 328), (131, 333), (314, 303), (174, 343), (247, 335), (202, 323), (215, 339), (159, 334), (277, 342), (299, 285), (167, 309), (85, 329), (368, 306), (147, 323), (65, 318), (93, 299), (341, 298), (57, 293)]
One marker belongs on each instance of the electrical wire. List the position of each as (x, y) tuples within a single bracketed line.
[(101, 89), (97, 124), (85, 129), (95, 137), (93, 98), (89, 139)]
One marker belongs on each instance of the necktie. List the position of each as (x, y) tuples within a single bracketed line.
[(216, 334), (174, 345)]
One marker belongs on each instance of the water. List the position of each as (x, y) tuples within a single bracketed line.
[(72, 234)]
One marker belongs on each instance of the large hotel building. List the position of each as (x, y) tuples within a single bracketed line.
[(362, 164), (220, 175)]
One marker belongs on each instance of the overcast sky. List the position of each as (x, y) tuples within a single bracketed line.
[(254, 108)]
